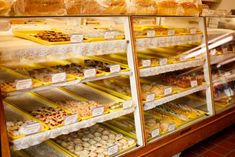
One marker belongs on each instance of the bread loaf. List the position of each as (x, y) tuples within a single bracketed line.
[(39, 7)]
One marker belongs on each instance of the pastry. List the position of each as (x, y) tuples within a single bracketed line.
[(50, 116)]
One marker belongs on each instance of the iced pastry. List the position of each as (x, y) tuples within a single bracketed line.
[(83, 108), (50, 116)]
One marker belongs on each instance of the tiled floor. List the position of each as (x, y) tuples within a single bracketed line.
[(221, 144)]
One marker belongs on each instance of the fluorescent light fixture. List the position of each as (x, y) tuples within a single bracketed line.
[(212, 46)]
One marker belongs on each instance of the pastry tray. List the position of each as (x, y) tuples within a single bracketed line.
[(94, 94), (28, 34), (47, 148), (14, 114), (29, 102), (114, 131), (103, 87), (8, 75), (53, 74)]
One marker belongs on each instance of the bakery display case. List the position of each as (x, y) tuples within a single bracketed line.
[(110, 78), (45, 82)]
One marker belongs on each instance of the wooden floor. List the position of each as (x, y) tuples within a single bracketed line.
[(221, 144)]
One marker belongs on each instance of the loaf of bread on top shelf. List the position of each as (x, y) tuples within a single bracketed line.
[(189, 7), (39, 7), (167, 7), (5, 7), (75, 7), (141, 7)]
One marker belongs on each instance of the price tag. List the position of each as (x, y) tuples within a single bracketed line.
[(109, 35), (146, 62), (98, 111), (58, 77), (213, 52), (24, 84), (194, 83), (30, 128), (151, 33), (149, 105), (163, 61), (155, 133), (76, 38), (168, 91), (227, 73), (193, 31), (127, 104), (113, 149), (89, 73), (225, 50), (115, 68), (205, 12), (229, 92), (150, 97), (70, 119), (171, 32), (171, 127)]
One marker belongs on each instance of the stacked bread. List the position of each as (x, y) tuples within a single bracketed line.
[(117, 7)]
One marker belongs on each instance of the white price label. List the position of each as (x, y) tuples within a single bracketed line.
[(70, 119), (155, 133), (149, 105), (163, 61), (213, 52), (225, 50), (24, 84), (171, 32), (171, 127), (127, 104), (58, 77), (229, 92), (194, 83), (98, 111), (115, 68), (113, 149), (109, 35), (150, 97), (205, 12), (76, 38), (168, 91), (227, 73), (89, 73), (30, 128), (146, 63), (151, 33), (193, 31)]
